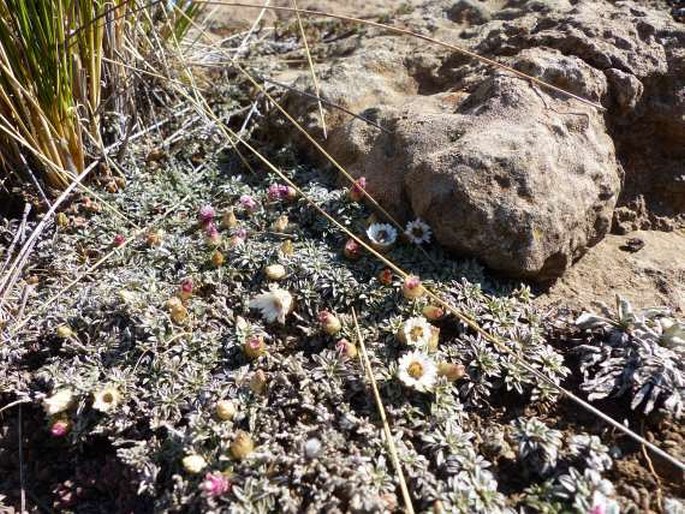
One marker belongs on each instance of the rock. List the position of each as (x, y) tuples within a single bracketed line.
[(651, 277), (520, 176)]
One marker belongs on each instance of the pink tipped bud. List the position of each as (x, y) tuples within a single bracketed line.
[(186, 289), (60, 428), (254, 347), (356, 191), (206, 214), (119, 240), (345, 349), (412, 288), (215, 484), (385, 277), (248, 203), (352, 250), (277, 192), (329, 322), (212, 234)]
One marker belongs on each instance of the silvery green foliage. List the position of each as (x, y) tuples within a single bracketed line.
[(516, 323), (538, 445), (635, 353), (475, 492), (591, 450), (586, 492)]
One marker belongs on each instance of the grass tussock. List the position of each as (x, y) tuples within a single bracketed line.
[(61, 72)]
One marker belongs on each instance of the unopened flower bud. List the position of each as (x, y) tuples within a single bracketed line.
[(61, 219), (194, 463), (434, 339), (254, 347), (64, 332), (118, 240), (352, 250), (186, 289), (412, 288), (385, 277), (228, 220), (258, 382), (433, 312), (356, 191), (60, 428), (452, 372), (242, 445), (274, 272), (225, 410), (345, 349), (212, 235), (206, 214), (287, 247), (281, 224), (215, 484), (153, 238), (217, 258), (329, 322)]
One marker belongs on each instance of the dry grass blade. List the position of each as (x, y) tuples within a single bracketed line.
[(317, 90), (392, 449)]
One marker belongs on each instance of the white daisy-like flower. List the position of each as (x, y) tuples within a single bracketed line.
[(381, 235), (106, 399), (418, 232), (58, 402), (416, 332), (418, 371), (274, 304)]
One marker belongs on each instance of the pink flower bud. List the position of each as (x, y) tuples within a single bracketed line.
[(248, 203), (60, 428), (215, 484), (206, 214), (119, 240), (356, 191), (352, 250)]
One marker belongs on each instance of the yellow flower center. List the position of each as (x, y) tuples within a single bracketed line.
[(108, 397), (415, 370), (416, 333)]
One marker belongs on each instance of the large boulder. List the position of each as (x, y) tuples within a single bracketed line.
[(522, 177)]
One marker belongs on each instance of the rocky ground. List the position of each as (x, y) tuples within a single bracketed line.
[(158, 381)]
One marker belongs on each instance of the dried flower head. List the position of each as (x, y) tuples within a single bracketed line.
[(242, 445), (417, 370), (275, 272), (228, 220), (416, 332), (381, 235), (356, 191), (62, 220), (64, 332), (106, 399), (215, 484), (258, 382), (206, 214), (275, 305), (434, 339), (281, 224), (194, 463), (254, 347), (153, 238), (451, 371), (177, 310), (385, 276), (287, 247), (226, 410), (418, 231), (60, 401), (330, 323), (217, 258), (412, 288), (352, 250)]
